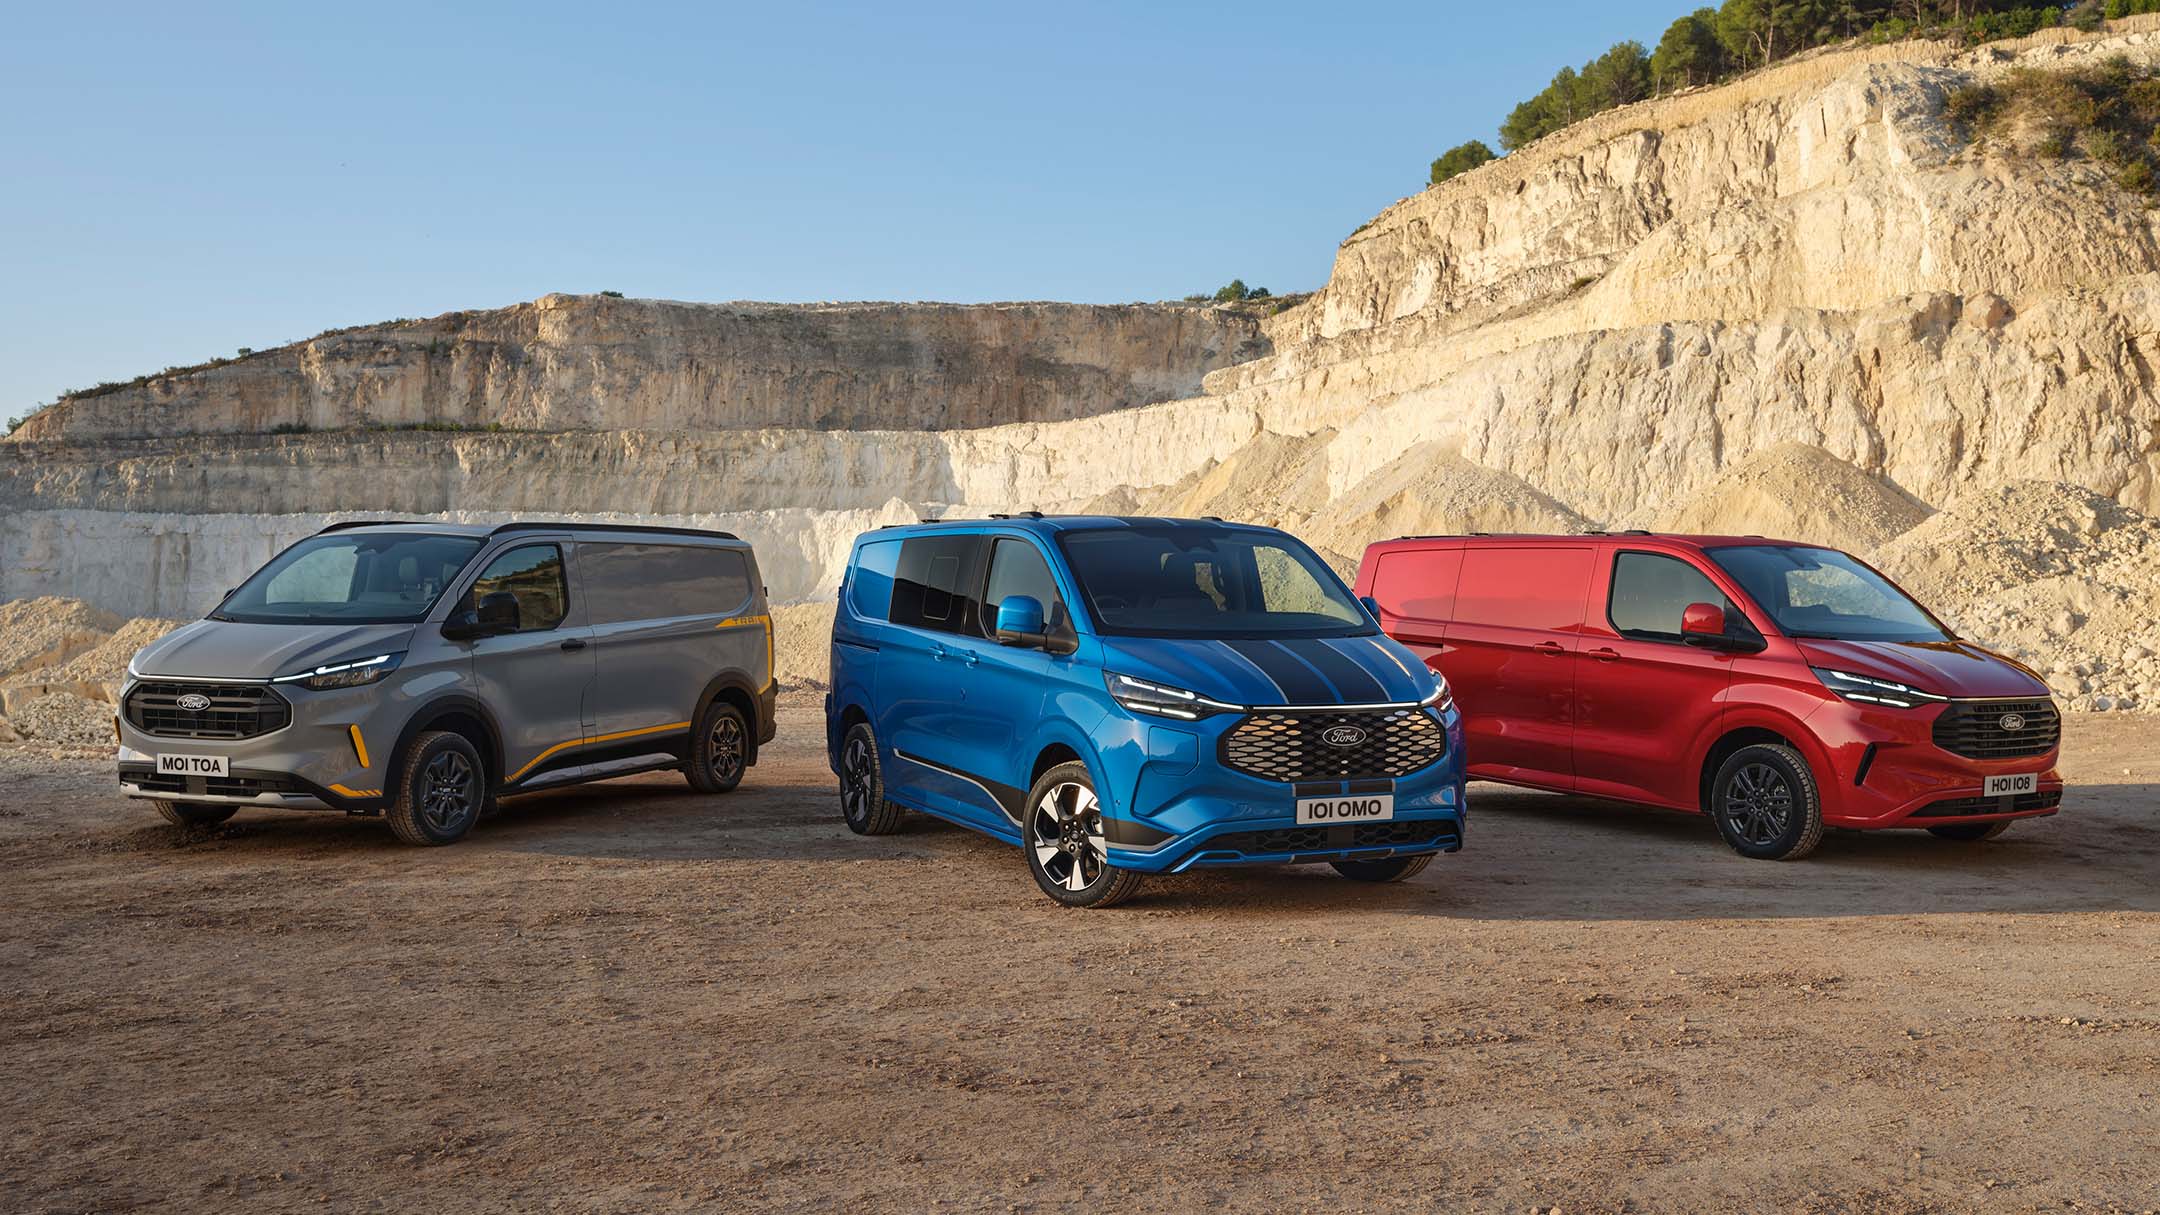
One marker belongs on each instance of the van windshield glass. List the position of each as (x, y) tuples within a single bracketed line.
[(1198, 580), (1823, 594), (351, 578)]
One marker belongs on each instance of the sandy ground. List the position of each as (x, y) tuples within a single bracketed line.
[(633, 998)]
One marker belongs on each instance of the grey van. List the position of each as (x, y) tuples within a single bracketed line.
[(418, 671)]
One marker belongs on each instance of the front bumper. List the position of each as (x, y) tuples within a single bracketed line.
[(1887, 771), (334, 754)]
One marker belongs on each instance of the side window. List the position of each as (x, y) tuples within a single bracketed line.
[(534, 574), (935, 586), (870, 583), (1650, 591), (625, 582), (1018, 568)]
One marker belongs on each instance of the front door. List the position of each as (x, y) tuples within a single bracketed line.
[(1512, 652), (924, 715), (1005, 685), (538, 680)]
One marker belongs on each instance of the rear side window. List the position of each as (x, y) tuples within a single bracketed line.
[(870, 583), (533, 575), (1418, 585), (1524, 588), (1650, 591), (937, 585), (625, 582), (1018, 568)]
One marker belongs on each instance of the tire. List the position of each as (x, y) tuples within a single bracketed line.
[(1392, 869), (719, 749), (1971, 833), (862, 785), (192, 814), (1765, 803), (440, 790), (1062, 837)]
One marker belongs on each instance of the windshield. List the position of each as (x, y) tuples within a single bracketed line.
[(1202, 580), (1823, 594), (351, 578)]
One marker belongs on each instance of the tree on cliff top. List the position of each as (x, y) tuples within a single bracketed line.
[(1689, 54), (1459, 159)]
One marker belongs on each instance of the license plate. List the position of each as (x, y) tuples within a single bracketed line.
[(191, 765), (1359, 808), (2006, 786)]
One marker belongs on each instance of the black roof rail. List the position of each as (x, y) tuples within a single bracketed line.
[(1018, 514), (543, 525), (346, 525), (1637, 531)]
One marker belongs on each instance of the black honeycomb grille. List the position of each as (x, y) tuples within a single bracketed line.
[(234, 710), (1958, 807), (1371, 745), (1978, 729), (1343, 838)]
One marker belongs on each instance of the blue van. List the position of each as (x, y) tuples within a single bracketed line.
[(1131, 696)]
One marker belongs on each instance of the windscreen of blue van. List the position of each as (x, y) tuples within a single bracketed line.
[(1179, 580)]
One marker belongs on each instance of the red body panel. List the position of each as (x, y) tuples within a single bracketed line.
[(1564, 700)]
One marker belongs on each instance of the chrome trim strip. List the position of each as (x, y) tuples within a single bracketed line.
[(288, 801)]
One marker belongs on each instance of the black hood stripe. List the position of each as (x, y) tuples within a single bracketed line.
[(1353, 683), (1299, 684)]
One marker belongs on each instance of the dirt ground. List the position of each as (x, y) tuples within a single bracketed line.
[(634, 998)]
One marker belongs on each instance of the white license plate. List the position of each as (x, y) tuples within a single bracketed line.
[(1359, 808), (2005, 786), (191, 765)]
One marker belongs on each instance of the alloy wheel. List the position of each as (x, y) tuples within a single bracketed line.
[(1758, 804), (725, 747), (1065, 830), (450, 792), (856, 772)]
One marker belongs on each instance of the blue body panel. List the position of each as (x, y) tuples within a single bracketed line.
[(965, 724)]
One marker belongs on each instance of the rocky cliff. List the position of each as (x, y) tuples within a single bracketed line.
[(1803, 302)]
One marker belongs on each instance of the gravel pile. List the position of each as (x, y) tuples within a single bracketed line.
[(64, 718), (46, 631)]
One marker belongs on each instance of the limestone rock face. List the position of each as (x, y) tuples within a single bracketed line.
[(585, 362)]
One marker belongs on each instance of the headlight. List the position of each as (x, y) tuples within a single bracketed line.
[(1442, 698), (345, 674), (1867, 689), (1162, 700)]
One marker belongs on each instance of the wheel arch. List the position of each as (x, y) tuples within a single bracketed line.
[(734, 688), (1753, 729), (460, 714)]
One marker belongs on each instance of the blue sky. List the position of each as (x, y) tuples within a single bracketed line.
[(181, 180)]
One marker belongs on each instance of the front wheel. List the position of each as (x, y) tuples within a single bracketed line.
[(1970, 833), (1765, 803), (1063, 839), (193, 814), (1393, 869), (440, 791), (719, 750)]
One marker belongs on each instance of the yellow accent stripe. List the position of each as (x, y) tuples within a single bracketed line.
[(355, 792), (598, 738), (736, 622), (359, 745)]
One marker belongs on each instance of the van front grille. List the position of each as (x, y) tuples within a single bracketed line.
[(1349, 837), (1998, 729), (232, 710), (1370, 745), (1959, 807)]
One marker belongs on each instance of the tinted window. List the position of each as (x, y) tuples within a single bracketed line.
[(1418, 585), (1528, 588), (936, 584), (870, 582), (533, 573), (1820, 592), (1650, 592), (1202, 580), (351, 578), (625, 582), (1018, 568)]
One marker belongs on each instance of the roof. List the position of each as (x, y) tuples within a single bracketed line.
[(1685, 540), (445, 528), (1041, 524)]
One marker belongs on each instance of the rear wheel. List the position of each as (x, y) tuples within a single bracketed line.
[(1393, 869), (440, 791), (719, 750), (1062, 834), (862, 785), (193, 814), (1970, 833), (1765, 803)]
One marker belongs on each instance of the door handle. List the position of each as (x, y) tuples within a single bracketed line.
[(1553, 648), (573, 644), (1605, 654), (937, 652), (971, 657)]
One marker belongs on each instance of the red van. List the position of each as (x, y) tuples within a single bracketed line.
[(1777, 687)]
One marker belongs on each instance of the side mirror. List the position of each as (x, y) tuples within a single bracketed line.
[(1702, 620), (1020, 622), (497, 613), (1372, 605)]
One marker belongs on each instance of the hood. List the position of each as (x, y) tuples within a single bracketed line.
[(221, 649), (1946, 668), (1292, 671)]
